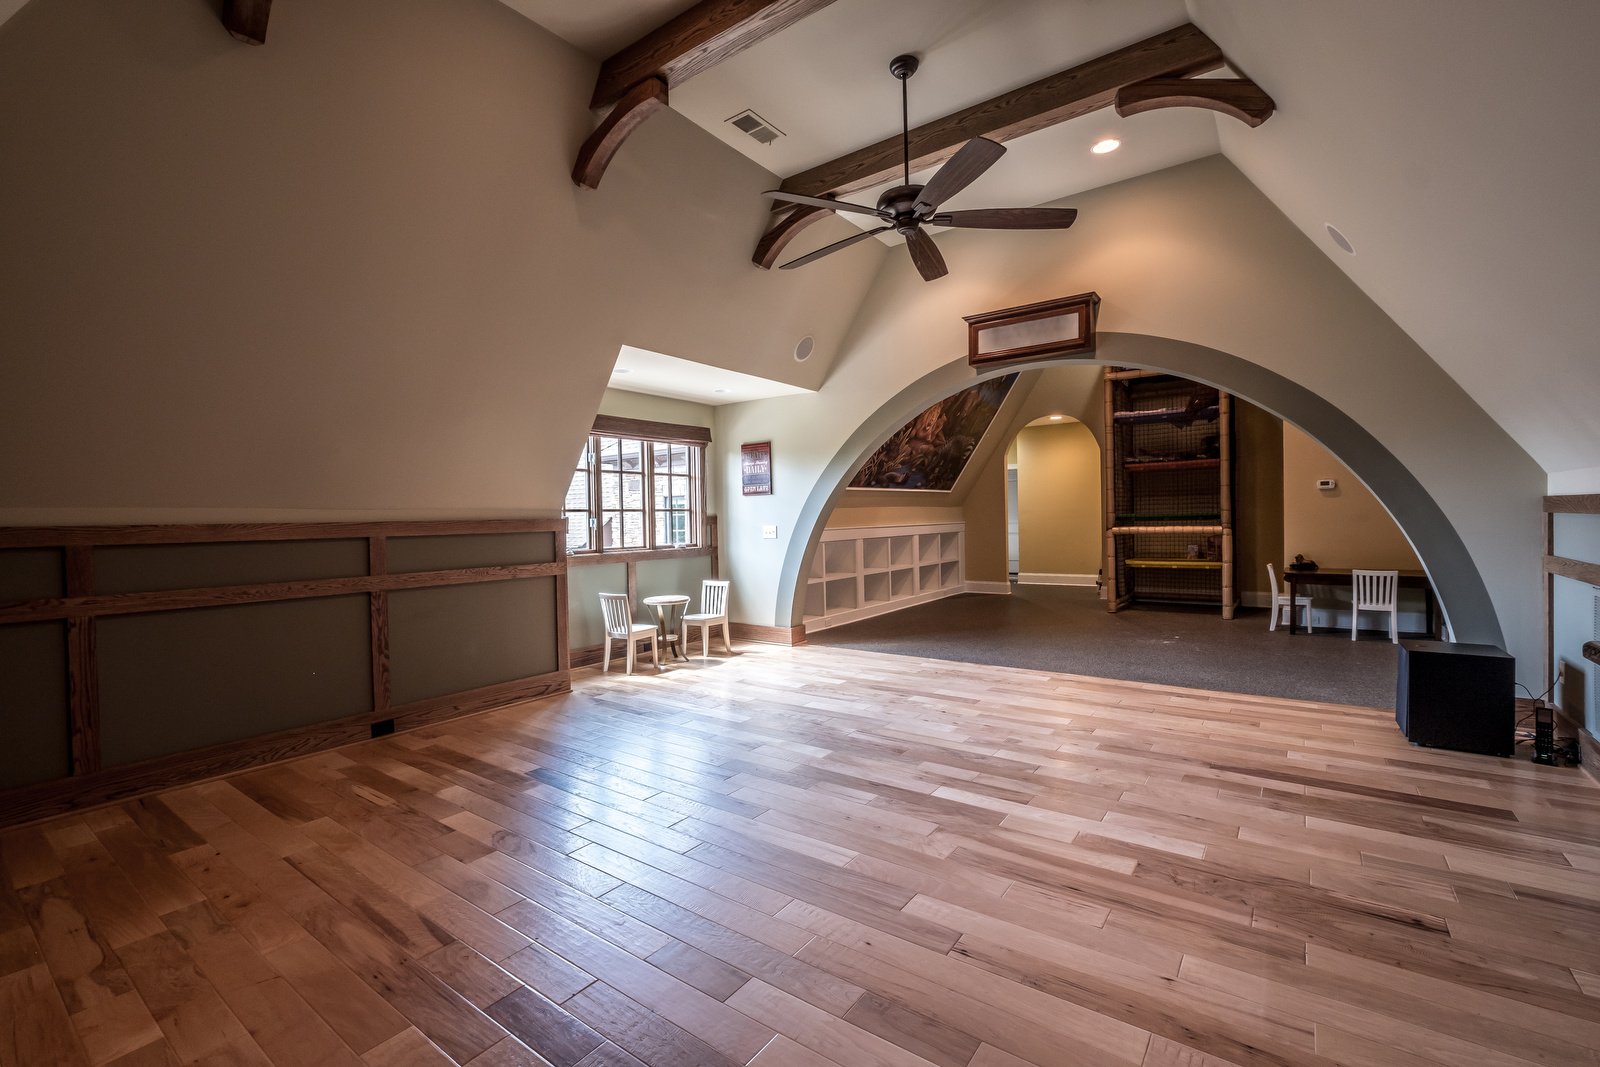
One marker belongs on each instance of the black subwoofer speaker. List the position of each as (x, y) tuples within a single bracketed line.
[(1457, 697)]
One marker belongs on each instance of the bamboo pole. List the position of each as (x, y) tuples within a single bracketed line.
[(1166, 529), (1109, 458), (1225, 434), (1123, 375)]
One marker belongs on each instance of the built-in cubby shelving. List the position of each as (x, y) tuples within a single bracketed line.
[(859, 572)]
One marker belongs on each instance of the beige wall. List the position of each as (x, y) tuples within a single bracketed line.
[(984, 512), (1059, 501), (1345, 527), (347, 274)]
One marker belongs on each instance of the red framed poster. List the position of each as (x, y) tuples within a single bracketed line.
[(755, 468)]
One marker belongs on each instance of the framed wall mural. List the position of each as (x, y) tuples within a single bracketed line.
[(930, 452)]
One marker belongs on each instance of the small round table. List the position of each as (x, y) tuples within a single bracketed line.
[(667, 634)]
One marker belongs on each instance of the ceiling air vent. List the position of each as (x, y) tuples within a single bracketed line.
[(756, 126)]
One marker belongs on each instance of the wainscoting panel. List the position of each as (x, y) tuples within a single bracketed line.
[(180, 680), (35, 738), (139, 657), (459, 637)]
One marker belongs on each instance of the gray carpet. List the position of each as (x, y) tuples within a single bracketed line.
[(1054, 628)]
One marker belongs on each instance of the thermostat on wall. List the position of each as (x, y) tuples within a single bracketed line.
[(1327, 483)]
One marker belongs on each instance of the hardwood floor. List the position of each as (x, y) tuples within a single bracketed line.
[(812, 857)]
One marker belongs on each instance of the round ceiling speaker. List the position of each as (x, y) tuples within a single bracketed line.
[(802, 351), (1340, 239)]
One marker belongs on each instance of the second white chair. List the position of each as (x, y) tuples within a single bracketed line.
[(713, 612), (617, 610), (1375, 591)]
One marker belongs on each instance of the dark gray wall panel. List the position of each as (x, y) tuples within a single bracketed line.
[(187, 679), (35, 736), (407, 554), (146, 568), (31, 573), (460, 637)]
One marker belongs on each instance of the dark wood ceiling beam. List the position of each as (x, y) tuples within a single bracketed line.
[(1182, 52), (776, 239), (1238, 98), (640, 102), (695, 41), (247, 19)]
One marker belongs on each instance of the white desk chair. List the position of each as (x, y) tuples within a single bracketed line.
[(617, 611), (713, 612), (1375, 591), (1282, 602)]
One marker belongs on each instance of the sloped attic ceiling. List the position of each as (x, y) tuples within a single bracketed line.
[(1454, 143)]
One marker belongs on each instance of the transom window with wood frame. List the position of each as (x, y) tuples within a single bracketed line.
[(638, 486)]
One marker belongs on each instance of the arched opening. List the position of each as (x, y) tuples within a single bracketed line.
[(1467, 611)]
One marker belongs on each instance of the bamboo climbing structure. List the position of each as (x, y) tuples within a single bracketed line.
[(1169, 510)]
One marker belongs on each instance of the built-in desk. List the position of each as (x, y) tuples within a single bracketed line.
[(1341, 577)]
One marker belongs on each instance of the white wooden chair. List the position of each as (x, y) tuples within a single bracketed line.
[(1375, 591), (617, 610), (1282, 601), (713, 612)]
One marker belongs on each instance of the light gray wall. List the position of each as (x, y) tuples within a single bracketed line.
[(1197, 257)]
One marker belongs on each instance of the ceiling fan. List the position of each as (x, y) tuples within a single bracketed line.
[(907, 208)]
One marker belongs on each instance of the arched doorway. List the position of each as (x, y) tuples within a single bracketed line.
[(1468, 611)]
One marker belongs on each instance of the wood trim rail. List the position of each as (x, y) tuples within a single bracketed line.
[(1582, 504), (641, 555), (222, 596), (1576, 569), (198, 533)]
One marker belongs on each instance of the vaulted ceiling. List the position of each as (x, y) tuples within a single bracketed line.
[(1450, 140)]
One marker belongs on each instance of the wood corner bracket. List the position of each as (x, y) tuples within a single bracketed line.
[(1239, 98), (640, 102), (246, 20), (783, 231)]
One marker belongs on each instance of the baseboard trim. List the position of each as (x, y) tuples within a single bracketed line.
[(771, 635), (1001, 588), (1026, 578), (1588, 745), (117, 784)]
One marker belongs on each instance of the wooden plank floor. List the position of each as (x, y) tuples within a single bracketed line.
[(815, 857)]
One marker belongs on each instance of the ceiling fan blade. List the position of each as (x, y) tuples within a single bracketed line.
[(830, 249), (821, 201), (1009, 218), (960, 171), (925, 254)]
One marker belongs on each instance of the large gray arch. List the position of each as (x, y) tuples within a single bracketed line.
[(1468, 610)]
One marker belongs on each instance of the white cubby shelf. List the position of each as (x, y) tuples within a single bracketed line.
[(861, 571)]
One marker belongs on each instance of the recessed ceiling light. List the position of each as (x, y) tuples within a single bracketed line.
[(721, 390), (1108, 144), (1340, 239), (1057, 418), (620, 370)]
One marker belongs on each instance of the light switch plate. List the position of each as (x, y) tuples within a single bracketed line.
[(769, 533)]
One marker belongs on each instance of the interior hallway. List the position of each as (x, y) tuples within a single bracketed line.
[(1067, 629), (825, 857)]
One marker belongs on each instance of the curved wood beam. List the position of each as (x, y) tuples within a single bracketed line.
[(776, 239), (636, 105), (1239, 98), (247, 19)]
